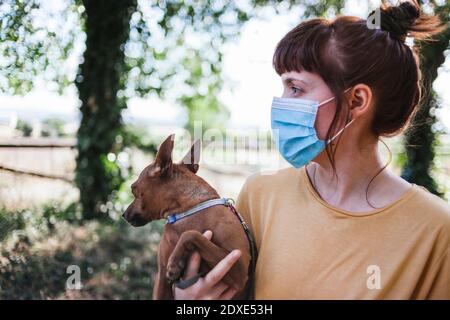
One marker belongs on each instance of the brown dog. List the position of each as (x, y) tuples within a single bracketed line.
[(165, 188)]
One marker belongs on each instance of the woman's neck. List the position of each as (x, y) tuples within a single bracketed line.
[(355, 170)]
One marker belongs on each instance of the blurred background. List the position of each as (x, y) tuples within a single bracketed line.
[(90, 88)]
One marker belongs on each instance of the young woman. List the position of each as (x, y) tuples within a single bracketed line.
[(338, 224)]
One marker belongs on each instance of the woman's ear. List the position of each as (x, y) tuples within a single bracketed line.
[(359, 100)]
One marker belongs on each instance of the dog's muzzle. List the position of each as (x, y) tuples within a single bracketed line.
[(134, 218)]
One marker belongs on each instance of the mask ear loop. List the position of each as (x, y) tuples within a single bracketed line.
[(324, 102), (340, 131), (328, 100)]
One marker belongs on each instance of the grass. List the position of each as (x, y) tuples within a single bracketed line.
[(116, 260)]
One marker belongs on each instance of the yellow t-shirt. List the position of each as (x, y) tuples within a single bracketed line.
[(309, 249)]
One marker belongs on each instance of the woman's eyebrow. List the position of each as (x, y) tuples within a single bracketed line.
[(291, 80)]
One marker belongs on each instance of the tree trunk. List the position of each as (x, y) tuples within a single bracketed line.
[(419, 138), (98, 81)]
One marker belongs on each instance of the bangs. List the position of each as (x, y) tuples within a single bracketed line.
[(304, 48)]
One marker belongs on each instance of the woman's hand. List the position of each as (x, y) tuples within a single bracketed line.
[(209, 287)]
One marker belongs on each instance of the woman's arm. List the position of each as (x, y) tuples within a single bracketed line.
[(209, 287)]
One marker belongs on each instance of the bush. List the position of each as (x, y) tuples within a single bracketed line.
[(116, 260)]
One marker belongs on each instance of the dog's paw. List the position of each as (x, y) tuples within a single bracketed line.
[(174, 270)]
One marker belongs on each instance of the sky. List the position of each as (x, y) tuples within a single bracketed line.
[(247, 68)]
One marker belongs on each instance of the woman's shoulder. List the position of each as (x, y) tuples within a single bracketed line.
[(268, 180), (431, 210), (258, 192), (432, 204), (260, 187)]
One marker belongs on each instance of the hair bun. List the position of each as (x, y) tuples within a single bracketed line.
[(399, 20), (406, 19)]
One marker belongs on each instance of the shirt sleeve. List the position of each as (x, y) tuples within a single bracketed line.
[(440, 288)]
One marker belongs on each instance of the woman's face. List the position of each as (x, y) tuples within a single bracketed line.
[(310, 86)]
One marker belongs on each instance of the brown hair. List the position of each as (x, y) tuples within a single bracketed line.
[(345, 52)]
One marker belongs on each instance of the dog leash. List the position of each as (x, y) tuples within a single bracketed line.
[(228, 202), (253, 250)]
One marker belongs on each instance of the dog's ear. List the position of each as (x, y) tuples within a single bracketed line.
[(192, 158), (164, 156)]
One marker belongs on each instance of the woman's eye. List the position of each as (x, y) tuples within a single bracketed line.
[(296, 90)]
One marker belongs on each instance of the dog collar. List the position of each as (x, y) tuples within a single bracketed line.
[(172, 218), (228, 202)]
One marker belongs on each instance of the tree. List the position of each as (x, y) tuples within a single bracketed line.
[(122, 59), (98, 81), (420, 138), (131, 48)]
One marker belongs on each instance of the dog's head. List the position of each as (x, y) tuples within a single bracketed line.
[(162, 184)]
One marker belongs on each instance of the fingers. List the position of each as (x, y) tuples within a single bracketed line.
[(195, 259), (216, 291), (208, 234), (219, 271), (227, 294)]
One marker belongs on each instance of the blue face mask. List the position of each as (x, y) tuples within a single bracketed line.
[(293, 129)]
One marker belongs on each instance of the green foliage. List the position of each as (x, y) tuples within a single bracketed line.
[(9, 222), (323, 8), (42, 220), (420, 144), (420, 139), (32, 48), (143, 55), (116, 260), (53, 127), (131, 48), (178, 56), (24, 127), (52, 213)]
